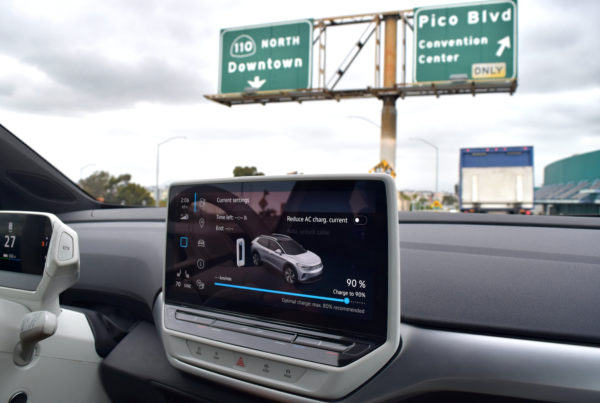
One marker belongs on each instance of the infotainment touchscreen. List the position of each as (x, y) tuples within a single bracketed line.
[(24, 241), (308, 253)]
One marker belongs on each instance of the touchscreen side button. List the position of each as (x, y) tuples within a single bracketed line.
[(194, 318), (276, 370), (338, 347), (65, 247), (307, 341), (197, 349), (287, 337), (212, 354), (290, 373), (254, 331), (219, 356), (325, 345), (221, 324)]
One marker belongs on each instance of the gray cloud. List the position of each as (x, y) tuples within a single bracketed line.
[(155, 60), (113, 54), (119, 84), (110, 55), (7, 88), (558, 47)]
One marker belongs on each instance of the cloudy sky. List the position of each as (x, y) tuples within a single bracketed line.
[(104, 82)]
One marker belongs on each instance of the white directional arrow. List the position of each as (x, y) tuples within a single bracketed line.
[(504, 43), (257, 83)]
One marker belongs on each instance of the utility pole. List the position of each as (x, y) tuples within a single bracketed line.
[(156, 191), (437, 161), (84, 167), (388, 112)]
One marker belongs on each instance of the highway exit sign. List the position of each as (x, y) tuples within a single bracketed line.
[(475, 41), (266, 57)]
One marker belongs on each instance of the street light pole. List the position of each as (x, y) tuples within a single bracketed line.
[(84, 167), (365, 119), (437, 160), (156, 192)]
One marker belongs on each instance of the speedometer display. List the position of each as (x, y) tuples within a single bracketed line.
[(24, 241)]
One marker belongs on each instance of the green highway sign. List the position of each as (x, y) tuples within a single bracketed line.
[(475, 41), (266, 57)]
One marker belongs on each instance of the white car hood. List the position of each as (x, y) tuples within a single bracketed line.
[(307, 258)]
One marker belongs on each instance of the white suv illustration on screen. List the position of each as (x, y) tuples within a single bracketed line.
[(286, 255)]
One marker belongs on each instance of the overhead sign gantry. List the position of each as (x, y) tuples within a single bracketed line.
[(457, 49)]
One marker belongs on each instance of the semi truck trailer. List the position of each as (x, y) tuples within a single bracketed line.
[(496, 179)]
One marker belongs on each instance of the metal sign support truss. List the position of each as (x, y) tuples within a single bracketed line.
[(388, 91), (326, 89)]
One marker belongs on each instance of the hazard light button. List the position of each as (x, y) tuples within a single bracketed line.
[(241, 362)]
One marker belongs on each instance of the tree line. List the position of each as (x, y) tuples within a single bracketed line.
[(121, 190)]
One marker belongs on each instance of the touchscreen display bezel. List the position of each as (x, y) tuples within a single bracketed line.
[(373, 328)]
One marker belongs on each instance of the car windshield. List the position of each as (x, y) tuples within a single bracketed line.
[(489, 108), (291, 247)]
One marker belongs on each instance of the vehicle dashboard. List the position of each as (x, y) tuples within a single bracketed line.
[(503, 307)]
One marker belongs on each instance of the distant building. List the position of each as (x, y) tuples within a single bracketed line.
[(571, 186), (162, 191)]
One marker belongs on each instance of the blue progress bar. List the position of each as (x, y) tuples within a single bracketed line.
[(344, 300), (195, 195), (12, 259)]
